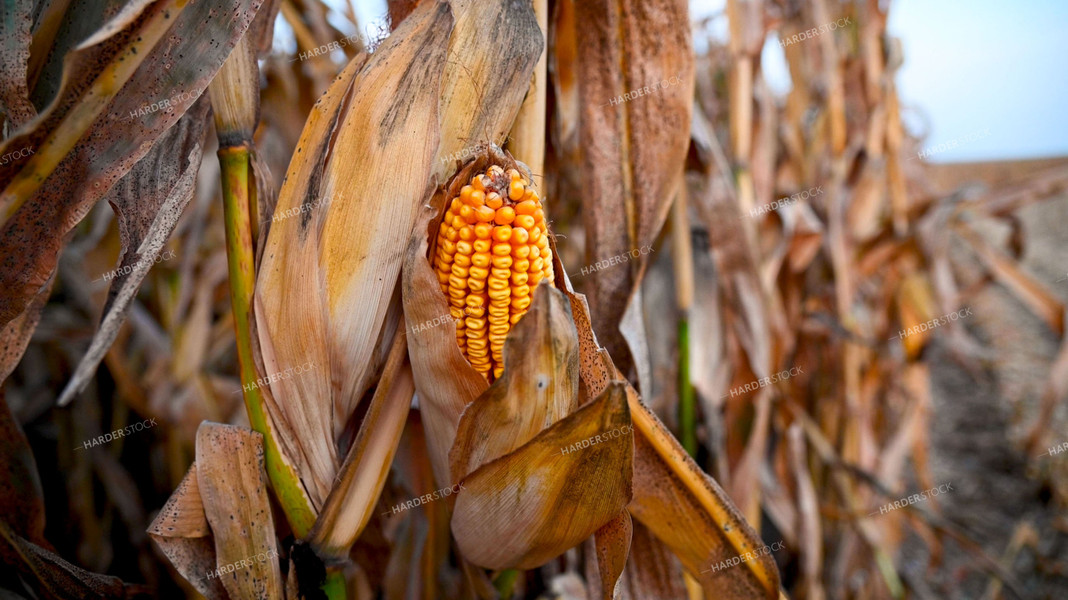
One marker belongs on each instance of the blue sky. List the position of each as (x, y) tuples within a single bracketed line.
[(970, 66)]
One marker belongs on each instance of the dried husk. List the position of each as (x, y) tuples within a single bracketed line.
[(325, 290)]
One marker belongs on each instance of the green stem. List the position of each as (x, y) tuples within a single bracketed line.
[(334, 586), (505, 582), (687, 408), (234, 163)]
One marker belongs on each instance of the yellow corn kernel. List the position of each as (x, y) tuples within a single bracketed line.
[(491, 251)]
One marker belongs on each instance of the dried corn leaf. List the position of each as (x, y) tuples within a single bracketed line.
[(494, 47), (352, 502), (16, 335), (354, 146), (684, 507), (21, 495), (104, 119), (52, 577), (1026, 288), (509, 511), (15, 24), (635, 75), (233, 492), (612, 544), (688, 511), (148, 201), (539, 386), (181, 532)]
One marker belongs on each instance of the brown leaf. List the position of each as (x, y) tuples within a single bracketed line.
[(325, 292), (14, 54), (688, 511), (351, 503), (613, 547), (148, 201), (181, 532), (539, 386), (635, 75), (21, 495), (101, 123), (16, 335), (52, 577), (1026, 288), (508, 512), (233, 491)]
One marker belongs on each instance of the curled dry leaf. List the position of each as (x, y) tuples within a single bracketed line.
[(539, 386), (233, 491), (181, 532), (679, 503), (612, 544), (550, 494)]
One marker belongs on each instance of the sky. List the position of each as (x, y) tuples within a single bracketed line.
[(988, 75)]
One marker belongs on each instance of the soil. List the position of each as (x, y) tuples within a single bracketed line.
[(1013, 504)]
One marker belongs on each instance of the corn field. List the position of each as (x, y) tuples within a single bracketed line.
[(513, 299)]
